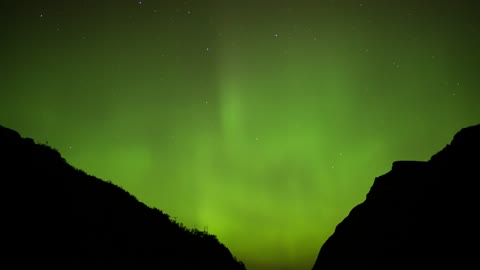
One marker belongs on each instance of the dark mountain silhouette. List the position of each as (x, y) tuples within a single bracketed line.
[(56, 215), (418, 215)]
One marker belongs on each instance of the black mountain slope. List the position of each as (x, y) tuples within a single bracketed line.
[(418, 215), (56, 215)]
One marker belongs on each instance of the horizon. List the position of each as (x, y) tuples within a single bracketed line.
[(266, 123)]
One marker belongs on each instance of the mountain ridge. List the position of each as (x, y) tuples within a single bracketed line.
[(57, 215)]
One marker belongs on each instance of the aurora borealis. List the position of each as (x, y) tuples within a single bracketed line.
[(266, 121)]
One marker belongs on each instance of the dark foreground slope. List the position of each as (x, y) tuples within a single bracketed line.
[(418, 215), (56, 215)]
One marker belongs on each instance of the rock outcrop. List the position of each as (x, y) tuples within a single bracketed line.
[(418, 215)]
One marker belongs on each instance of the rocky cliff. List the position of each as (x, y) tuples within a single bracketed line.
[(420, 214)]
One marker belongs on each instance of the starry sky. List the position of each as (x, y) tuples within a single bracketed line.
[(265, 121)]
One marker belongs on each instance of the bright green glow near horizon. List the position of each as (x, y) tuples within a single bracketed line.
[(266, 123)]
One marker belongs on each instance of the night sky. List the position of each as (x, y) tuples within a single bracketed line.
[(266, 121)]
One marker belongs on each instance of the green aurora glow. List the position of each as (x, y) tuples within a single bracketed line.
[(266, 121)]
